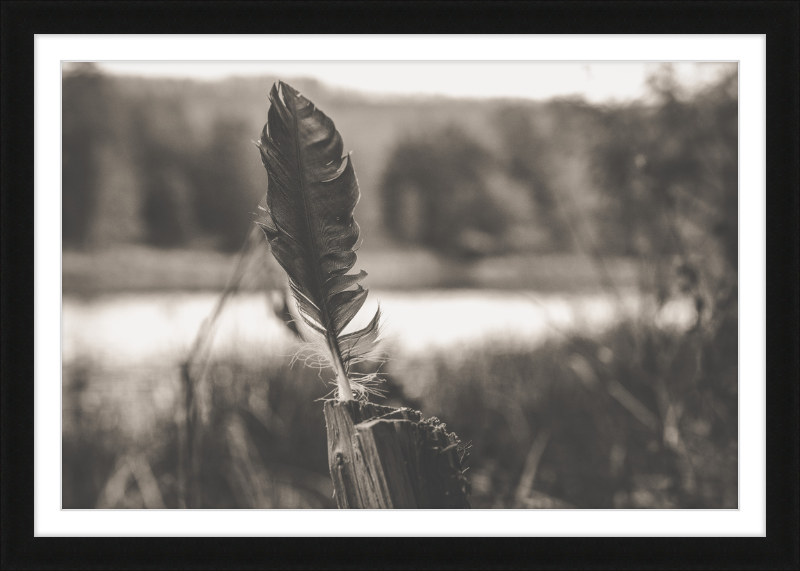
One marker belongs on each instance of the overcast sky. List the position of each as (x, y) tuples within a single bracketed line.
[(597, 82)]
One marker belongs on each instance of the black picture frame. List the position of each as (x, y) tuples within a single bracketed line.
[(21, 20)]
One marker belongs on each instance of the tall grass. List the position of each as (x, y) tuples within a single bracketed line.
[(259, 428), (639, 417)]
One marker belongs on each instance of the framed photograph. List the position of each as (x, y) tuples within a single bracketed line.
[(564, 246)]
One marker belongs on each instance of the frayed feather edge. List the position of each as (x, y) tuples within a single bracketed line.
[(315, 354)]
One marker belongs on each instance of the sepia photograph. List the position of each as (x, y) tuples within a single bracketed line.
[(403, 285)]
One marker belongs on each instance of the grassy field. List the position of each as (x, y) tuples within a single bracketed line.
[(637, 417)]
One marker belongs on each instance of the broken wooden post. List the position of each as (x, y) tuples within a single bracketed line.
[(384, 457)]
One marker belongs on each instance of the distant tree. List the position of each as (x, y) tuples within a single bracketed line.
[(225, 194), (159, 133), (530, 159), (669, 171), (435, 194), (167, 208), (83, 128)]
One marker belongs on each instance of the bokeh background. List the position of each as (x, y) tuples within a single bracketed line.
[(558, 277)]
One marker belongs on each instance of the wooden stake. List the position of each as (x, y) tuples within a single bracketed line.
[(383, 457)]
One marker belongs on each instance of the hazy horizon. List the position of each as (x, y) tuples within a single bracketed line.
[(596, 82)]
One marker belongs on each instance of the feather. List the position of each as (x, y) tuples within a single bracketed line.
[(312, 191)]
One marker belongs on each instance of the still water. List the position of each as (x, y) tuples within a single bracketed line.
[(159, 328)]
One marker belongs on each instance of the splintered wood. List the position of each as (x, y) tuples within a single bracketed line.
[(383, 457)]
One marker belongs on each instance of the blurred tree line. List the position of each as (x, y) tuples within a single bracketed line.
[(141, 166), (169, 163), (641, 179), (83, 131)]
